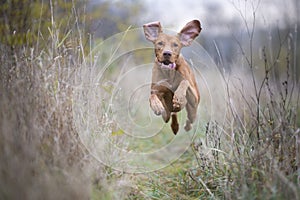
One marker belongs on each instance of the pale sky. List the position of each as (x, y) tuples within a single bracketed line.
[(176, 13)]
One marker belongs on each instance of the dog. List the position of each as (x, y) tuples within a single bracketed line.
[(173, 84)]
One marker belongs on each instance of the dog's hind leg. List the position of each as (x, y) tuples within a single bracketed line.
[(191, 116), (174, 124)]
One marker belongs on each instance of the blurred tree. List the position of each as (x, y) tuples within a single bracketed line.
[(15, 22), (24, 22), (108, 18), (36, 23)]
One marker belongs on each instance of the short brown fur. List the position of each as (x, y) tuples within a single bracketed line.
[(173, 82)]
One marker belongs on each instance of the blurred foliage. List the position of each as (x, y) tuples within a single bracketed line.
[(36, 24), (16, 20), (108, 18), (22, 22)]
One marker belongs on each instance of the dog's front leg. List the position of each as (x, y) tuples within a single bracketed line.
[(179, 98), (156, 104)]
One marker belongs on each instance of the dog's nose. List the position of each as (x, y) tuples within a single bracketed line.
[(167, 53)]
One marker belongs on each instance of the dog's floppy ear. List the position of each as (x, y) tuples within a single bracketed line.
[(152, 30), (189, 32)]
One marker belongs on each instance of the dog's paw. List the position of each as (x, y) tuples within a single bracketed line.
[(188, 126), (156, 105), (179, 101)]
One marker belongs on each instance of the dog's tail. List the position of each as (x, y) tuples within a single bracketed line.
[(174, 124)]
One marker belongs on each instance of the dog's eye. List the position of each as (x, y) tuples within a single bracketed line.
[(160, 43), (175, 45)]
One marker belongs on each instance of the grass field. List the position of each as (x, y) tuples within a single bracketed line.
[(75, 124)]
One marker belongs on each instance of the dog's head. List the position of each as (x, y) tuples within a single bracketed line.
[(167, 47)]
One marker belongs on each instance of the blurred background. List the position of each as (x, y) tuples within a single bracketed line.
[(223, 22)]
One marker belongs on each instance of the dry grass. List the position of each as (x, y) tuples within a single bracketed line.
[(247, 147), (41, 154)]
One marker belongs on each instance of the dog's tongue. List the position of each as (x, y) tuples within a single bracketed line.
[(172, 65)]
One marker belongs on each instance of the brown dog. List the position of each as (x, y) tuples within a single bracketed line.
[(173, 82)]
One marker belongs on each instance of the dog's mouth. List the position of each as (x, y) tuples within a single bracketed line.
[(166, 62)]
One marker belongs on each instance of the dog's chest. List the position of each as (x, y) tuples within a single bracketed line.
[(171, 77)]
